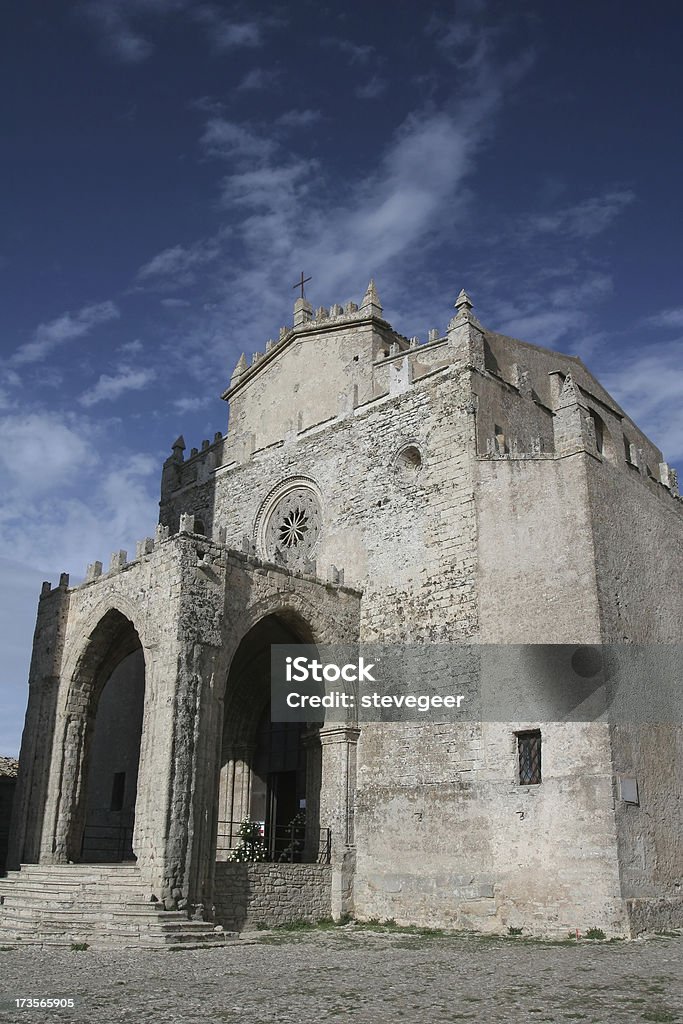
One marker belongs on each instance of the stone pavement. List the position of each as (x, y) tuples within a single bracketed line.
[(354, 974)]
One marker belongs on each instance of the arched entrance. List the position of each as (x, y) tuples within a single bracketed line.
[(107, 697), (270, 771)]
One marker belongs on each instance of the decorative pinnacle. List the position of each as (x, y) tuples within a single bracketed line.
[(242, 365), (178, 444), (463, 301), (371, 299)]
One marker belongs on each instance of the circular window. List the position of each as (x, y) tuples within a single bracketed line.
[(408, 463), (292, 527)]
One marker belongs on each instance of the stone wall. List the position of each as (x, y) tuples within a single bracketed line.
[(248, 895)]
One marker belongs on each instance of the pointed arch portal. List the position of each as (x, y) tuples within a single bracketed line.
[(106, 703), (270, 771)]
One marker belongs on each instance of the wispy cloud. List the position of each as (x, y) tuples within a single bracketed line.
[(668, 318), (227, 34), (110, 387), (125, 26), (56, 518), (58, 444), (191, 404), (64, 328), (372, 89), (121, 40), (258, 79), (648, 384), (131, 348), (177, 265), (584, 219), (284, 202), (358, 53), (233, 141), (299, 118)]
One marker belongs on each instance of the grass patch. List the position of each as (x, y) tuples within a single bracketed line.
[(595, 933), (294, 926), (79, 947)]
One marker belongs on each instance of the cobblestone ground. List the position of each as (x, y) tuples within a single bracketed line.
[(358, 975)]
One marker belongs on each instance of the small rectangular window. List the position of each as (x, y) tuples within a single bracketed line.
[(118, 788), (529, 757)]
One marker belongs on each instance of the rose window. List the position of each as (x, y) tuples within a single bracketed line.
[(293, 527)]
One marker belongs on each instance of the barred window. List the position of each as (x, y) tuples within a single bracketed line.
[(529, 757)]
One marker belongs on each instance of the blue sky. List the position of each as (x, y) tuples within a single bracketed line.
[(171, 166)]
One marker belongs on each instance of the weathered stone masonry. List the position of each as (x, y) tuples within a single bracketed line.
[(471, 489)]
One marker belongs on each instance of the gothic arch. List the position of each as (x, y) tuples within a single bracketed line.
[(96, 732), (269, 772)]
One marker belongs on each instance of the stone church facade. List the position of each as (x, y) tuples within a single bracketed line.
[(469, 489)]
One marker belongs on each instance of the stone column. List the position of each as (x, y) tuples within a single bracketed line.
[(190, 847), (337, 791), (235, 794), (338, 783)]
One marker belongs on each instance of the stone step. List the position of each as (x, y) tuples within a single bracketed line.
[(117, 937), (32, 885), (139, 915), (17, 912), (59, 870), (44, 906), (83, 865), (66, 904), (85, 878)]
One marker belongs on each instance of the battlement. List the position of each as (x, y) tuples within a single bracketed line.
[(211, 551), (342, 362)]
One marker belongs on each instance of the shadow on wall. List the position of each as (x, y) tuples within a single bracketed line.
[(8, 782)]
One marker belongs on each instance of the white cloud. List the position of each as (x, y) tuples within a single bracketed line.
[(299, 118), (358, 53), (285, 213), (225, 34), (64, 328), (648, 384), (108, 388), (544, 327), (233, 141), (173, 303), (177, 266), (258, 78), (372, 89), (585, 219), (57, 502), (190, 404), (41, 452), (131, 348), (671, 318)]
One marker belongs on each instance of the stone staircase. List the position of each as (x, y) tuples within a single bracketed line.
[(106, 906)]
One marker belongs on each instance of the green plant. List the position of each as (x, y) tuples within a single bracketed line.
[(79, 947), (251, 848), (295, 848), (595, 933), (294, 926), (514, 931)]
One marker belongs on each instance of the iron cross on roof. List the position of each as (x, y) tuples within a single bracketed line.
[(301, 283)]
